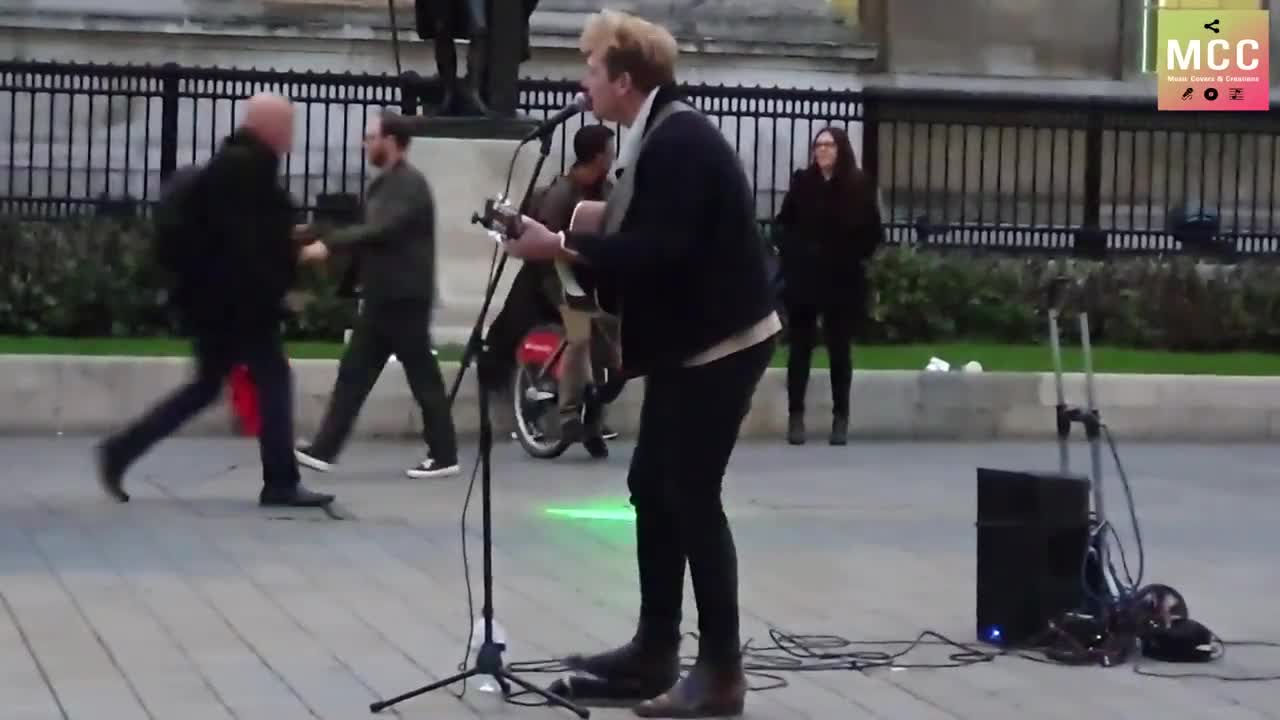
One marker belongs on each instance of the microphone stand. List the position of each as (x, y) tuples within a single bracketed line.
[(489, 658)]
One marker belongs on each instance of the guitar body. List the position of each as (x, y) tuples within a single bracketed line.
[(584, 288)]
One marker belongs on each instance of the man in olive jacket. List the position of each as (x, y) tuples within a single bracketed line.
[(395, 249)]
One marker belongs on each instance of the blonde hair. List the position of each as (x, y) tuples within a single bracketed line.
[(633, 45)]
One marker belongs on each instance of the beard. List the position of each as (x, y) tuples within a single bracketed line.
[(377, 158)]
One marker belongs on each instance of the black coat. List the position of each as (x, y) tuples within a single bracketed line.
[(830, 229), (245, 259), (687, 262)]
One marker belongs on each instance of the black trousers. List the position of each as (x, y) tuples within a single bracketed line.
[(216, 353), (837, 335), (689, 424), (402, 328)]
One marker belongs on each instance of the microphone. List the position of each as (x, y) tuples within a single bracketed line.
[(581, 102)]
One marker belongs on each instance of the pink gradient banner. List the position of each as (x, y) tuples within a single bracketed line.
[(1213, 60)]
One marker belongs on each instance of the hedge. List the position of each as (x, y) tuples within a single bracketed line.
[(95, 278)]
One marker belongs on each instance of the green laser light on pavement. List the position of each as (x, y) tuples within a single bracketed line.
[(614, 513)]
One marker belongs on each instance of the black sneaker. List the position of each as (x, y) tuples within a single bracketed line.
[(571, 430), (293, 497), (596, 447), (608, 433), (309, 458), (432, 468)]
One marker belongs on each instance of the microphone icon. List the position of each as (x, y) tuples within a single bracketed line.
[(1186, 95)]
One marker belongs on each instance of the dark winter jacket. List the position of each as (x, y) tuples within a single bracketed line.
[(829, 230)]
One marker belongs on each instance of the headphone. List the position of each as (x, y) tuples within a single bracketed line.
[(1165, 632)]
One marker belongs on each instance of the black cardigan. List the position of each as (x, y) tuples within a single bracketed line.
[(687, 262)]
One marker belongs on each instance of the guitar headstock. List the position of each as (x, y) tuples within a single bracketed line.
[(500, 218)]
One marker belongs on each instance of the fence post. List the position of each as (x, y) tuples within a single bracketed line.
[(871, 137), (1090, 241), (410, 87), (168, 119)]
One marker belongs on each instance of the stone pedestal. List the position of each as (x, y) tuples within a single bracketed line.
[(465, 168)]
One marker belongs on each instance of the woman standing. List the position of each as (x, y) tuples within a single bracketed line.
[(830, 222)]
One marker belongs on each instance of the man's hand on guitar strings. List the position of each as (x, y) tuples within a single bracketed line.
[(536, 242)]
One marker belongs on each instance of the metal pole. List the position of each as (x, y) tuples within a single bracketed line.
[(1093, 431), (1064, 457)]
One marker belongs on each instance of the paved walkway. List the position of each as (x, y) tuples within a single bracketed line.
[(192, 603)]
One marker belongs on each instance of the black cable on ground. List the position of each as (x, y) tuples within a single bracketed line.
[(764, 664), (1122, 609), (1220, 651)]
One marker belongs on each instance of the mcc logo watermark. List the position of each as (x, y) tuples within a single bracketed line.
[(1213, 59)]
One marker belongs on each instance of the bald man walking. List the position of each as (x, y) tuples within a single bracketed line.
[(236, 259)]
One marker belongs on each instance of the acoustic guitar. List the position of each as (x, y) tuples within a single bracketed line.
[(586, 290)]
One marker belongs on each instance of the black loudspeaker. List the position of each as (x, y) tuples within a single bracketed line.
[(1033, 529)]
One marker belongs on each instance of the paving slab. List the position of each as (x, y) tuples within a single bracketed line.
[(192, 602)]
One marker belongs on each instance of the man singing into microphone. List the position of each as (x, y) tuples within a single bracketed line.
[(679, 238)]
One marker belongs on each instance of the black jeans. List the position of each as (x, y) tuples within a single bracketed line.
[(402, 328), (215, 355), (689, 424), (837, 331)]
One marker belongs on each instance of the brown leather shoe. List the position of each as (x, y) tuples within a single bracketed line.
[(707, 691), (631, 672)]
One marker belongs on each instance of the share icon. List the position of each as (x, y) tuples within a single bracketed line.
[(1212, 26)]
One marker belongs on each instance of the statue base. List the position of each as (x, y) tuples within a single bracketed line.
[(466, 161), (471, 127)]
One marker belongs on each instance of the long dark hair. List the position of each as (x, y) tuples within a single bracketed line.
[(846, 163)]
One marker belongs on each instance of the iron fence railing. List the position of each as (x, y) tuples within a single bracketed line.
[(1018, 174)]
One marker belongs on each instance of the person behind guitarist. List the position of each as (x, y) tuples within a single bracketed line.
[(678, 238), (587, 179)]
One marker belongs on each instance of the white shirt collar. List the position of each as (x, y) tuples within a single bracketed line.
[(635, 134)]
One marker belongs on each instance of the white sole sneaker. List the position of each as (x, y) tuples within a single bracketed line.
[(312, 462), (431, 471)]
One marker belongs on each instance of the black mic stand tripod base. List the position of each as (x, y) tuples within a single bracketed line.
[(489, 657)]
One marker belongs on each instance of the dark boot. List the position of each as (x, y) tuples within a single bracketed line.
[(565, 427), (470, 91), (795, 429), (643, 668), (447, 69), (297, 496), (709, 690), (840, 430), (593, 428), (111, 474)]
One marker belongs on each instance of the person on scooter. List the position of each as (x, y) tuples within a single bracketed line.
[(586, 179)]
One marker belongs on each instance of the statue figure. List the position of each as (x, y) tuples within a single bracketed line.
[(445, 22)]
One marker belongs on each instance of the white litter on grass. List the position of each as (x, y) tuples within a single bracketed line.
[(937, 364)]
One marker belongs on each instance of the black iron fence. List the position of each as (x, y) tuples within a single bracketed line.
[(955, 170)]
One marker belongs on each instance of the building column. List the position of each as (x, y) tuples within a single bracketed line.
[(1128, 61), (873, 21)]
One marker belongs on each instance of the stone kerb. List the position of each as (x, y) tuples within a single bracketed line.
[(89, 395)]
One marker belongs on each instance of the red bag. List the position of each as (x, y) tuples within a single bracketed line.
[(244, 401)]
